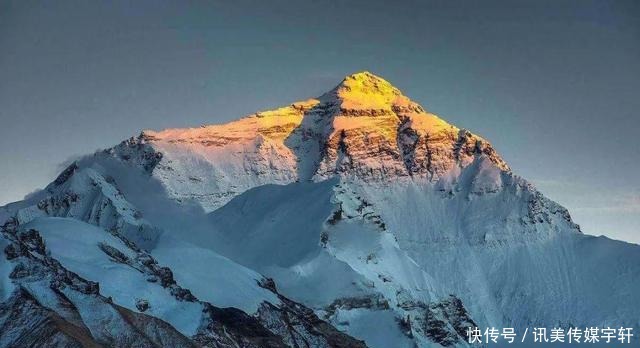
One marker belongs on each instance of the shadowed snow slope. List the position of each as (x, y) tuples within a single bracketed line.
[(378, 218), (74, 264)]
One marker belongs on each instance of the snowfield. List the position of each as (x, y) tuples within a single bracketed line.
[(353, 219)]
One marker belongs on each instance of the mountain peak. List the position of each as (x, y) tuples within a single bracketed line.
[(364, 127), (364, 78), (364, 90)]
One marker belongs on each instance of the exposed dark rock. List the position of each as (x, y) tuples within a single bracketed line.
[(335, 217), (20, 271), (165, 275), (446, 322), (269, 284), (12, 252), (229, 325), (370, 302), (136, 150), (299, 326), (114, 253), (26, 323), (66, 174), (32, 240), (405, 326), (142, 305), (182, 294)]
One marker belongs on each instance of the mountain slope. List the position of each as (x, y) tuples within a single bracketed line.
[(356, 210), (75, 268)]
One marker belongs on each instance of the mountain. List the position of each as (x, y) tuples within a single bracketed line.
[(355, 218)]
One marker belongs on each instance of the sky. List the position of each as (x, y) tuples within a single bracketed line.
[(554, 85)]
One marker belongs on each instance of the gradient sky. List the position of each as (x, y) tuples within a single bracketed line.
[(554, 85)]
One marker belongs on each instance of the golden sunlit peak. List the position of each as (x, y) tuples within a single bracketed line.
[(363, 75), (365, 79), (364, 90)]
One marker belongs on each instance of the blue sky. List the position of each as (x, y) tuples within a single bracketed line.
[(552, 84)]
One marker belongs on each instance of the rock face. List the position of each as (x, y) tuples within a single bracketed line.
[(355, 218)]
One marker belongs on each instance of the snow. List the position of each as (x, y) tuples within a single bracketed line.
[(480, 257), (212, 277), (365, 91), (212, 175), (212, 164), (103, 321), (379, 327), (318, 281), (276, 230), (41, 291), (89, 196), (377, 257), (274, 217), (434, 244), (76, 245), (358, 194)]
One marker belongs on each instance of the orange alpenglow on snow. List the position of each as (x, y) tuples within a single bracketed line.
[(363, 128), (359, 94)]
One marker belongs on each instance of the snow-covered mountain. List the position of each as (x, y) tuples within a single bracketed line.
[(350, 219)]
